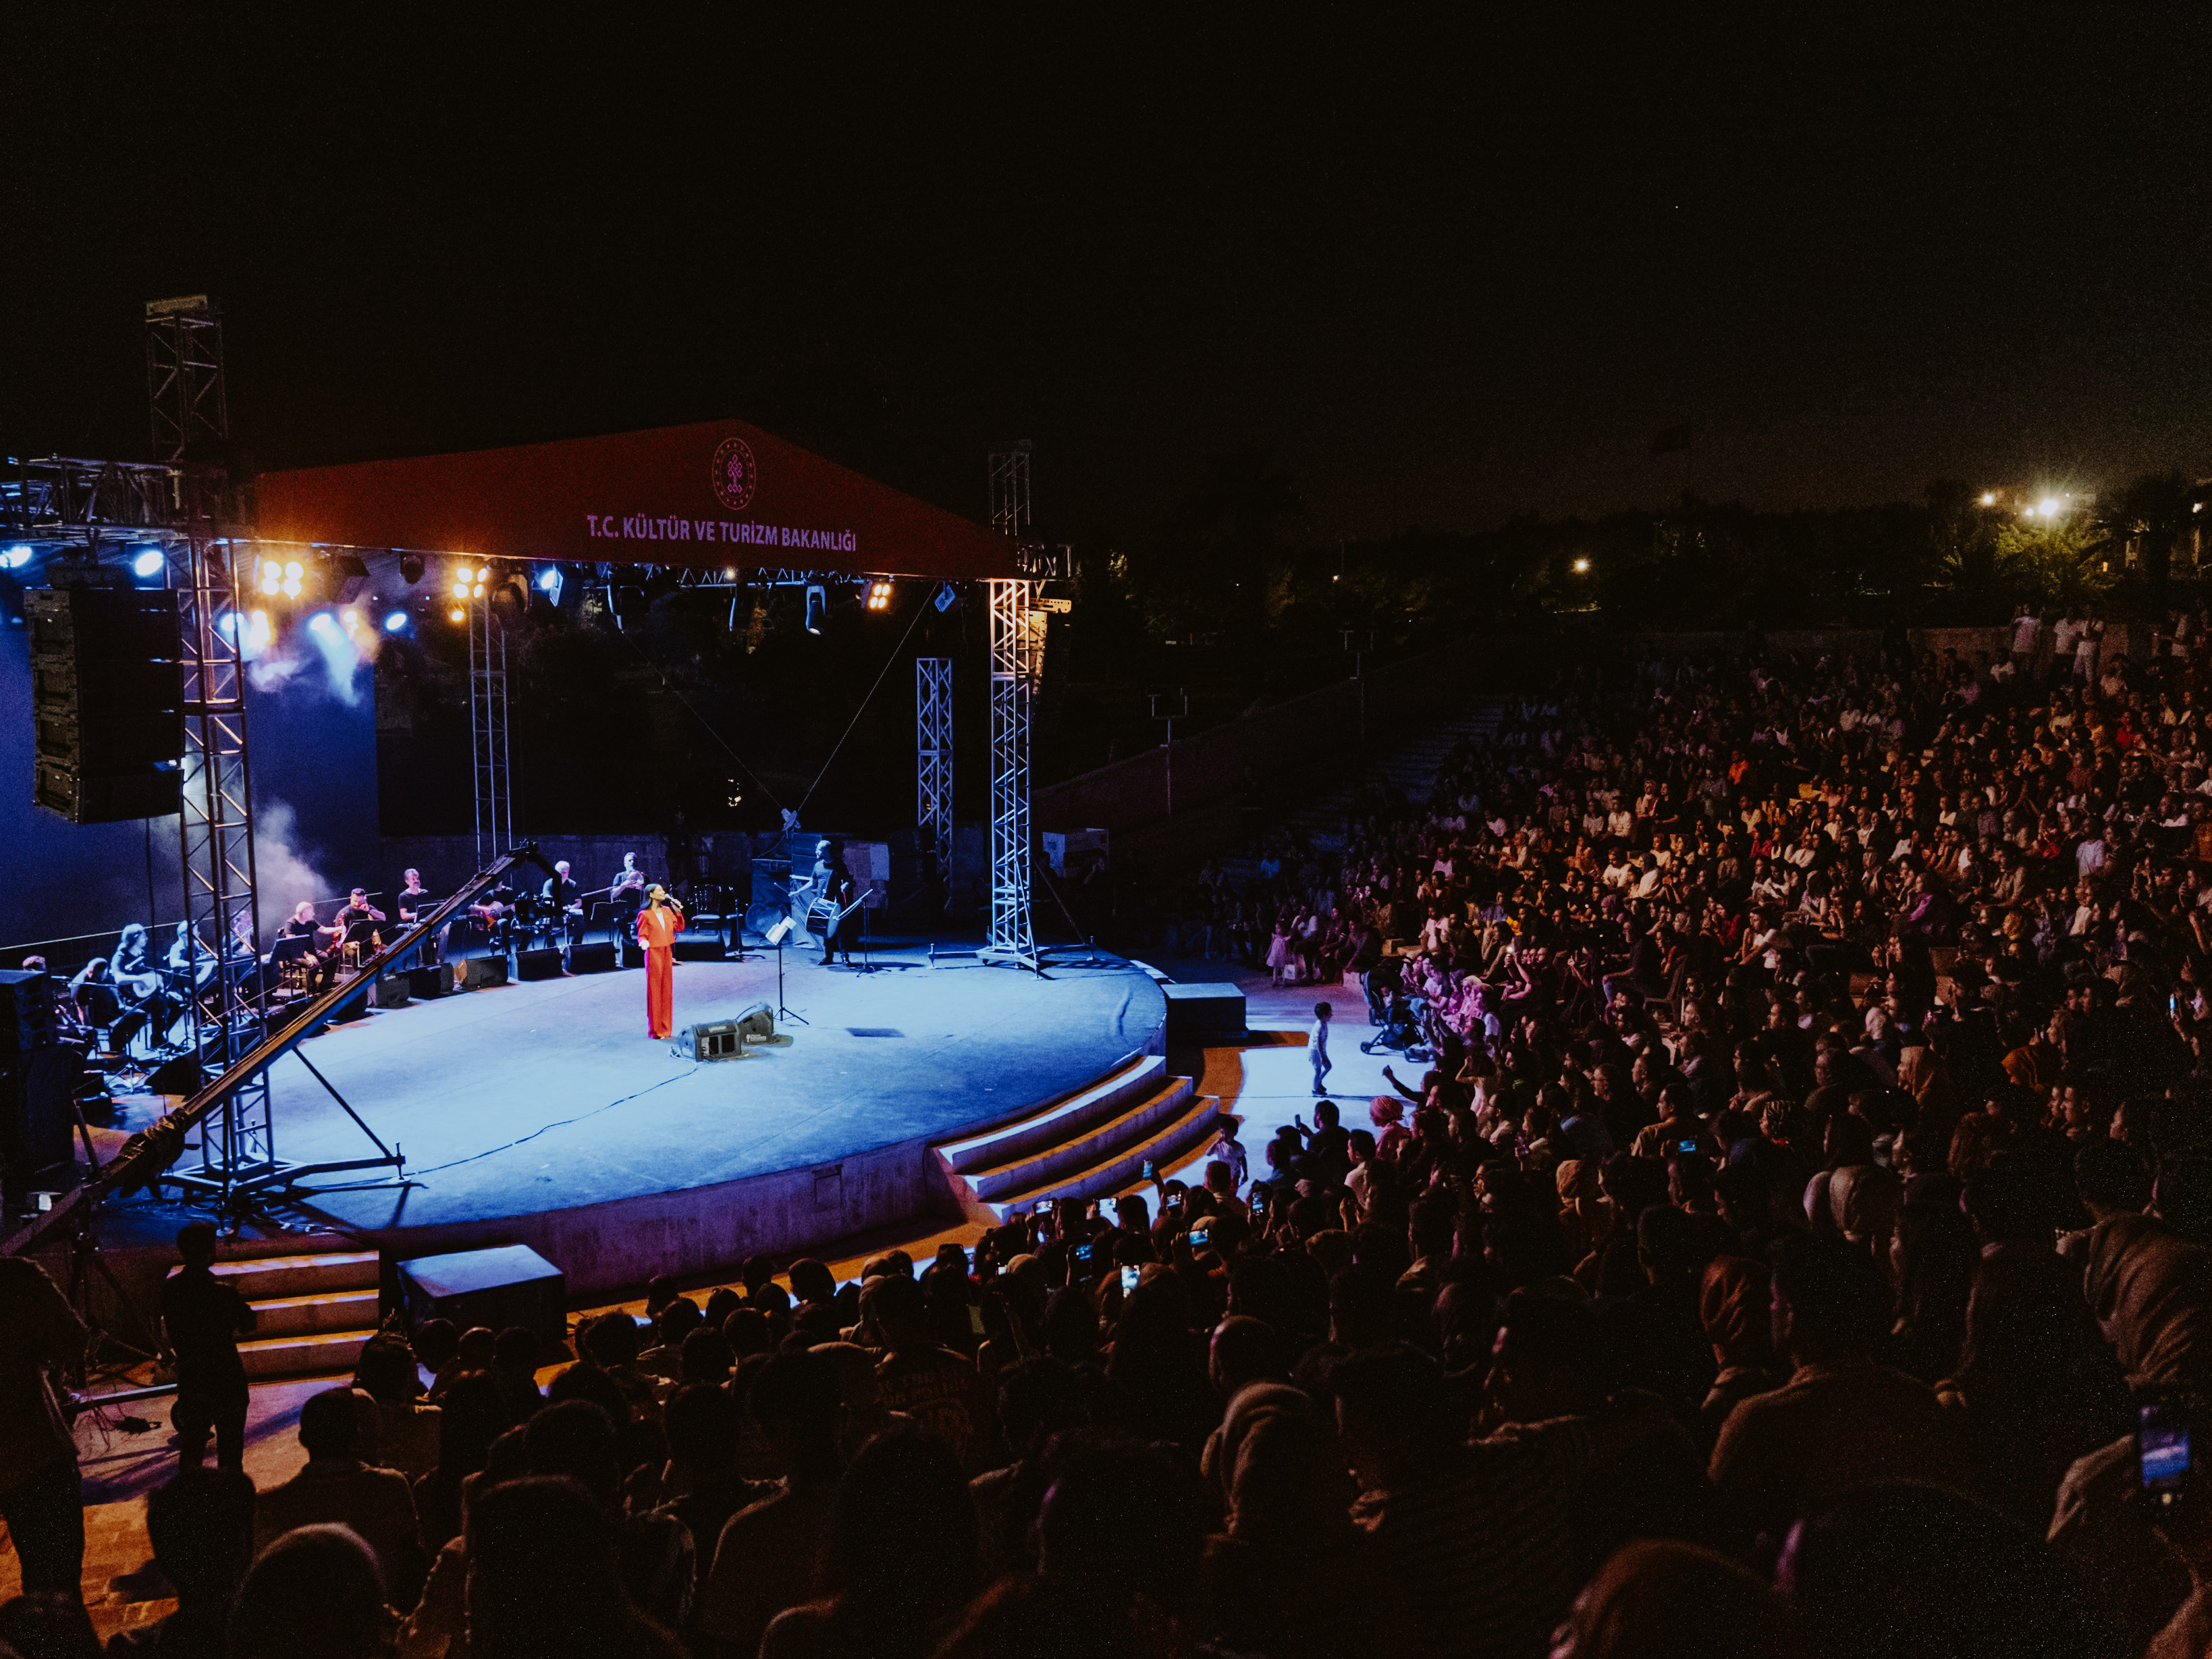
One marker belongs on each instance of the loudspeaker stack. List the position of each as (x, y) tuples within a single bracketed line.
[(107, 702)]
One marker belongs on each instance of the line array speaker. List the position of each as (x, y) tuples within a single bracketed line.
[(107, 702)]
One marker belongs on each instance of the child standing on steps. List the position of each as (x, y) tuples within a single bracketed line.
[(1317, 1047)]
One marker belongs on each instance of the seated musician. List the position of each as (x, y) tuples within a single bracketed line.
[(137, 983), (414, 898), (629, 888), (92, 991), (190, 962), (356, 910), (314, 959), (563, 900)]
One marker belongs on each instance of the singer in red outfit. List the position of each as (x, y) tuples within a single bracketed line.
[(657, 925)]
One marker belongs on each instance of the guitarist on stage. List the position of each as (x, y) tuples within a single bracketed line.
[(834, 886)]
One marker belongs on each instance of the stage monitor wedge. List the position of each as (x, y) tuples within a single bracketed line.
[(717, 1040)]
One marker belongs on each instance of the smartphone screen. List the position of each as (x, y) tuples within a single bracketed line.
[(1686, 1145), (2163, 1450), (1199, 1237), (1258, 1204), (975, 1319), (1128, 1280), (1083, 1254)]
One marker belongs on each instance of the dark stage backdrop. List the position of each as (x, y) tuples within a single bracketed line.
[(315, 810)]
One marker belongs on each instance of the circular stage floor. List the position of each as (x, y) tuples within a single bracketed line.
[(528, 1098)]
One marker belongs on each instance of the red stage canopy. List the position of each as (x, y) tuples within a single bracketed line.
[(718, 493)]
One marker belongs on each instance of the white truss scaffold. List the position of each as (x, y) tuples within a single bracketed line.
[(495, 792), (1017, 650), (215, 828), (933, 751)]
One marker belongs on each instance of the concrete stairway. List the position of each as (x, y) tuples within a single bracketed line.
[(1094, 1143), (316, 1312)]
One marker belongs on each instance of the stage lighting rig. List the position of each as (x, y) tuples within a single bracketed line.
[(879, 595), (817, 607), (410, 568), (16, 557), (282, 578), (147, 563)]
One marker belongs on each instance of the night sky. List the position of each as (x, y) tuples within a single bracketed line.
[(1444, 271)]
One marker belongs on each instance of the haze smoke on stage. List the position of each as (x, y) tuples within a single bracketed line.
[(282, 870)]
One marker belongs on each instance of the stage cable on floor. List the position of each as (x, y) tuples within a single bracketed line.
[(493, 1151), (921, 609)]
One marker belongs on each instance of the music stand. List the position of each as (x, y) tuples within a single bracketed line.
[(776, 935)]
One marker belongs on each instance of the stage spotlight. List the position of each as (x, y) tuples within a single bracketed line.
[(15, 558), (947, 597), (456, 615), (817, 607), (322, 622), (395, 621), (879, 596), (295, 573), (549, 583), (148, 563), (410, 568)]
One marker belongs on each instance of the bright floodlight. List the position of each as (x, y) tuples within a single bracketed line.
[(455, 614), (321, 623), (549, 579), (148, 563), (395, 621), (1989, 498), (2049, 506), (15, 558), (1581, 564), (483, 573), (294, 570)]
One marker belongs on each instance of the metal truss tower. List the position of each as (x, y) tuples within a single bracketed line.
[(189, 417), (216, 822), (932, 752), (495, 796), (1010, 490), (1017, 650), (184, 378)]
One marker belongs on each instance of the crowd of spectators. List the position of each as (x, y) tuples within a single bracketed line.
[(1797, 1206)]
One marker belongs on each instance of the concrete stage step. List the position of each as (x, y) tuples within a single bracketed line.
[(1170, 1147), (310, 1354), (270, 1277), (1092, 1143), (1138, 1078), (314, 1313)]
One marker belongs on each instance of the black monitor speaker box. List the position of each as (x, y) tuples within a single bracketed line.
[(392, 991), (756, 1022), (595, 958), (27, 1011), (475, 972), (698, 947), (718, 1040), (633, 953), (538, 964), (426, 982), (499, 1288), (36, 1116)]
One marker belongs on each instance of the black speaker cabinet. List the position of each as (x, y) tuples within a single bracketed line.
[(599, 959), (538, 964), (509, 1285)]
